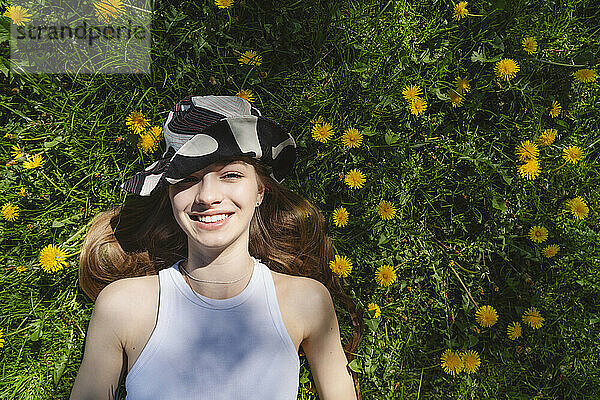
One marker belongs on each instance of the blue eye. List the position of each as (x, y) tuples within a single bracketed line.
[(232, 174)]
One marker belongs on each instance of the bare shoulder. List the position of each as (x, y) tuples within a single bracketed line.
[(128, 299), (300, 289), (128, 289), (308, 298), (315, 297)]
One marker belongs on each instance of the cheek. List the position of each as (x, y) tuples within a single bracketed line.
[(245, 195), (178, 200)]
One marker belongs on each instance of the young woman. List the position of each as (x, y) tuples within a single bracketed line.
[(207, 283)]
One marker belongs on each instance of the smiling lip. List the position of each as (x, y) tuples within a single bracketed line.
[(211, 225), (208, 214), (196, 217)]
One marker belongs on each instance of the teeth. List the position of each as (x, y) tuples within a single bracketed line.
[(213, 218)]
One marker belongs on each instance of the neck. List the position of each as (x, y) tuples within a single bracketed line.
[(216, 271), (217, 289)]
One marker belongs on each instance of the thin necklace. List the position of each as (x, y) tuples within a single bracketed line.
[(206, 281)]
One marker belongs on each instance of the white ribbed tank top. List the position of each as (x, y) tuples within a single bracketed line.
[(210, 349)]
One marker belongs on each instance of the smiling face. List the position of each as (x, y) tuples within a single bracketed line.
[(225, 187)]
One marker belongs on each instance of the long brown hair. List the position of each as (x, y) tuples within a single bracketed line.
[(141, 237)]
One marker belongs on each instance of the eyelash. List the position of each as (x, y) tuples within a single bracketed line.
[(226, 175)]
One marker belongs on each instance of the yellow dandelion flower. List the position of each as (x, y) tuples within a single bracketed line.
[(551, 250), (471, 361), (533, 318), (585, 75), (572, 154), (460, 10), (250, 58), (156, 131), (352, 138), (137, 122), (547, 137), (355, 179), (223, 3), (10, 212), (386, 210), (578, 208), (22, 192), (322, 132), (19, 15), (455, 98), (462, 85), (418, 106), (527, 150), (513, 330), (34, 162), (411, 92), (555, 110), (538, 234), (451, 362), (1, 338), (52, 258), (375, 307), (107, 9), (507, 68), (529, 45), (530, 170), (16, 152), (385, 275), (486, 316), (341, 266), (246, 94), (340, 217), (147, 143)]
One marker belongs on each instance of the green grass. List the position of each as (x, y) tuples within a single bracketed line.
[(451, 174)]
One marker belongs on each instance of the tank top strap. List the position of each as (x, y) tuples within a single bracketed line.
[(165, 313), (276, 315)]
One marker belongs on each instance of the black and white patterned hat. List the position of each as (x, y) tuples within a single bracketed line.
[(201, 130)]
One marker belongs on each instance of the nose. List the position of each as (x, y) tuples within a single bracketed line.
[(208, 190)]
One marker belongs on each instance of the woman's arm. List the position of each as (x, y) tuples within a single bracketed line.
[(104, 359), (322, 344)]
